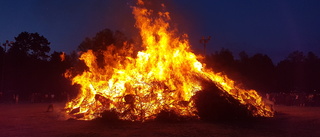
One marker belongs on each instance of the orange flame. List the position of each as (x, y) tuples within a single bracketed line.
[(63, 56), (163, 76)]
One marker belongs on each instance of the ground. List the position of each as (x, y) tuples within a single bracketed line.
[(32, 120)]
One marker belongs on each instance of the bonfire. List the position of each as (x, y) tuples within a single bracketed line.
[(165, 75)]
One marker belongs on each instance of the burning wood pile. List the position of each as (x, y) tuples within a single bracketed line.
[(165, 76)]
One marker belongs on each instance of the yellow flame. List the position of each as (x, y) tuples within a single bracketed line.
[(163, 76)]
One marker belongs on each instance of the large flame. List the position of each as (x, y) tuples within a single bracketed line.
[(164, 76)]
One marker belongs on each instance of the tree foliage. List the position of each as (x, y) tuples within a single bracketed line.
[(115, 44), (27, 67), (297, 73), (31, 44), (102, 40)]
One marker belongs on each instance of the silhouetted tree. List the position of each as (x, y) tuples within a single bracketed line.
[(31, 44), (26, 63), (102, 40), (221, 61), (106, 40), (312, 63), (299, 73), (243, 56), (262, 71), (291, 72), (1, 50), (29, 69)]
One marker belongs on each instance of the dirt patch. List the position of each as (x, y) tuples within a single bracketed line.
[(32, 120)]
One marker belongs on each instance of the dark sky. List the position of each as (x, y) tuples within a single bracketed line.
[(272, 27)]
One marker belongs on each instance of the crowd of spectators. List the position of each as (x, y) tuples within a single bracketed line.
[(294, 99), (33, 98)]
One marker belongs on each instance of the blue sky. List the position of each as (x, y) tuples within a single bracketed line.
[(273, 27)]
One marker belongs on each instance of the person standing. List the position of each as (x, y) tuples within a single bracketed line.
[(50, 107)]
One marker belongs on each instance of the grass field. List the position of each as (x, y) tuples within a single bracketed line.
[(32, 120)]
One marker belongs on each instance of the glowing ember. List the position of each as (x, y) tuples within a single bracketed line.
[(164, 76)]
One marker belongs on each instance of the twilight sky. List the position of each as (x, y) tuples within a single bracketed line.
[(272, 27)]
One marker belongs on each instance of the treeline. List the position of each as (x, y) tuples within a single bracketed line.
[(299, 72), (28, 71), (27, 68)]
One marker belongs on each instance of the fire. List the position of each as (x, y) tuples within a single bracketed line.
[(163, 76), (63, 56)]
